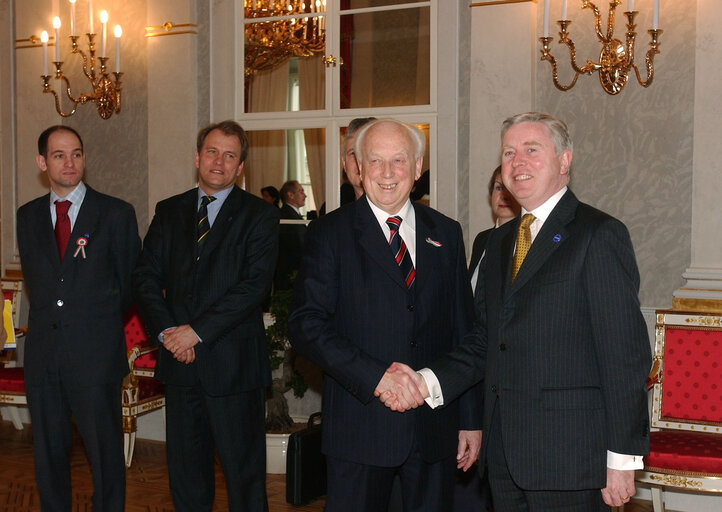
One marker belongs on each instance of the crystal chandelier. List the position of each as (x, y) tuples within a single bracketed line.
[(280, 29)]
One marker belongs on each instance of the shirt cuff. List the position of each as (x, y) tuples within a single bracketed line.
[(624, 462), (436, 397)]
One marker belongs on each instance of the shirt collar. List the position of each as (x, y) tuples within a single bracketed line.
[(543, 211), (406, 213), (220, 196), (75, 196)]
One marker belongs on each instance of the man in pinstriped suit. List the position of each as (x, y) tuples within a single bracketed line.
[(200, 283), (562, 346)]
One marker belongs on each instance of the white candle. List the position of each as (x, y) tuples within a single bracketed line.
[(630, 5), (56, 26), (655, 15), (564, 9), (44, 39), (104, 35), (546, 18), (72, 17), (118, 32), (90, 16)]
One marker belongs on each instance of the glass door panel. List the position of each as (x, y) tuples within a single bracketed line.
[(284, 46), (385, 58), (276, 156)]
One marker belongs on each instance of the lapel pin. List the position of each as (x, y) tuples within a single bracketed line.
[(557, 238), (433, 242), (81, 243)]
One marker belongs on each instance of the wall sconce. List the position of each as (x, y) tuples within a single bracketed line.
[(105, 92), (616, 58)]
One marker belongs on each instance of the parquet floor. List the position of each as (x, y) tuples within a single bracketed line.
[(147, 480)]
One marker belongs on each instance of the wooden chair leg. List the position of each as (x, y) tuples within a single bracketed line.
[(14, 413), (128, 447), (657, 499)]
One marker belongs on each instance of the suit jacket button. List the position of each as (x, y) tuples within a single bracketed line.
[(55, 326), (60, 303), (410, 307), (412, 343), (502, 347), (493, 388), (62, 279)]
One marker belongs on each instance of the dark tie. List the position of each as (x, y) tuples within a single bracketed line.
[(62, 226), (523, 243), (401, 253), (203, 225)]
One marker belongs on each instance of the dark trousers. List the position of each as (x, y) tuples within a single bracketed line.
[(53, 405), (425, 487), (509, 497), (199, 425)]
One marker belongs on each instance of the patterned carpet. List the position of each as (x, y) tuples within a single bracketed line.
[(147, 479)]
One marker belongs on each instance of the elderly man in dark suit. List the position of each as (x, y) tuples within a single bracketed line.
[(383, 279), (206, 267), (559, 340), (78, 282)]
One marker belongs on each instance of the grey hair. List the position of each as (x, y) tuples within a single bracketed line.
[(415, 134), (557, 128), (355, 125)]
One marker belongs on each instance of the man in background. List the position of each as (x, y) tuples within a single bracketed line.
[(77, 250), (205, 269), (290, 236)]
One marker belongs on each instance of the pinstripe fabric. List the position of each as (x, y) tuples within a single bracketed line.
[(563, 350), (353, 315)]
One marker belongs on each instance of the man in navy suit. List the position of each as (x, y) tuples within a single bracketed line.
[(77, 250), (559, 340), (206, 267), (384, 279)]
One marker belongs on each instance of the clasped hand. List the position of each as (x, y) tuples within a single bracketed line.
[(401, 388), (180, 341)]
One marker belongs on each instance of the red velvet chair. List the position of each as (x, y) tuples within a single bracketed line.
[(12, 377), (141, 392), (686, 450)]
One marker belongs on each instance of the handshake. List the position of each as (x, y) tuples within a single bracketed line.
[(401, 388)]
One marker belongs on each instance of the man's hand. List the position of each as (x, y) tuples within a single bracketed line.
[(401, 388), (620, 487), (186, 357), (179, 341), (469, 446)]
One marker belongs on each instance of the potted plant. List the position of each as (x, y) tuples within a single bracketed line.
[(283, 357)]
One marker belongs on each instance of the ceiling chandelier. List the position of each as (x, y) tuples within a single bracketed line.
[(276, 30)]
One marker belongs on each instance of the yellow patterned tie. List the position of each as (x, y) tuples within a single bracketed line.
[(523, 243)]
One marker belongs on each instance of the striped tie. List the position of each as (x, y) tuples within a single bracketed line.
[(203, 225), (401, 253)]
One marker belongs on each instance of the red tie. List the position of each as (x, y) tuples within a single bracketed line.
[(62, 226)]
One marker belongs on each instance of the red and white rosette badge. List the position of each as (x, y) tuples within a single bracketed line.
[(80, 249)]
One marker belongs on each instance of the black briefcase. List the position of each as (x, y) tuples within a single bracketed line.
[(305, 464)]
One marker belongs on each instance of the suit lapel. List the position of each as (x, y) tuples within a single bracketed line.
[(46, 233), (425, 252), (371, 238), (552, 235), (85, 227)]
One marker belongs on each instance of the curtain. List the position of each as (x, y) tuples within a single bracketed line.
[(266, 162), (312, 96)]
